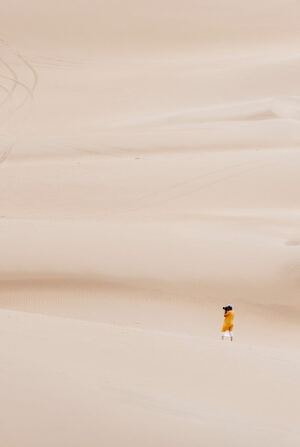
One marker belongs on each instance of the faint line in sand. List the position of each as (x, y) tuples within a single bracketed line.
[(189, 182), (16, 82), (7, 91)]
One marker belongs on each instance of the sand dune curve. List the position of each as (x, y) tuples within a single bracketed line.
[(149, 174)]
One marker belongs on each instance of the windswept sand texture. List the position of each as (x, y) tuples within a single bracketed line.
[(149, 174)]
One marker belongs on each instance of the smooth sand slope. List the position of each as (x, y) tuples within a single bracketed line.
[(76, 383), (149, 174)]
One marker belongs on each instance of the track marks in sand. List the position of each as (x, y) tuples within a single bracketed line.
[(4, 155), (13, 76), (7, 94), (192, 185), (17, 91)]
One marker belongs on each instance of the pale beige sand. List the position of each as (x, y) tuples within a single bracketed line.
[(68, 382), (149, 174)]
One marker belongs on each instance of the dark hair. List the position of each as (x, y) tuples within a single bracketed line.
[(227, 308)]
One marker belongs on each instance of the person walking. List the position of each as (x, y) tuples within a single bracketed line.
[(228, 321)]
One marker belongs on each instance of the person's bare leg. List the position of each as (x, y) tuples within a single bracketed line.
[(222, 335), (231, 336)]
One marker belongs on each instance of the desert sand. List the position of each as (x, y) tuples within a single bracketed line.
[(149, 175)]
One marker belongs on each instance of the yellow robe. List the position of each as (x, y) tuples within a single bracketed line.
[(228, 321)]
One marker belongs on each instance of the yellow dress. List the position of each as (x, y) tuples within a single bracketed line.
[(228, 321)]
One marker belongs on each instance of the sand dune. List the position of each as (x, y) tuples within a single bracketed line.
[(111, 104), (149, 174), (92, 371)]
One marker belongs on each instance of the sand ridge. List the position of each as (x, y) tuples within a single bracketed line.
[(149, 174)]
